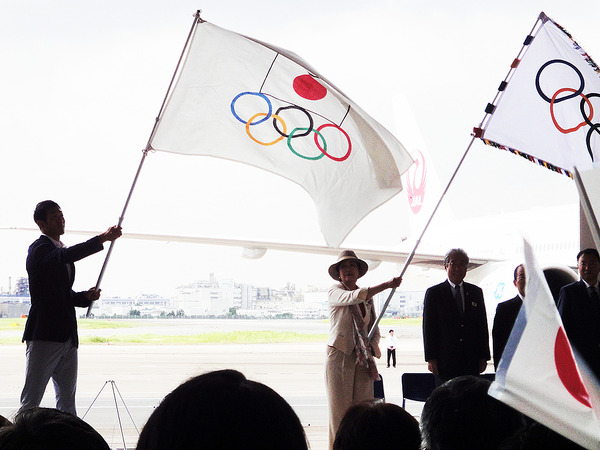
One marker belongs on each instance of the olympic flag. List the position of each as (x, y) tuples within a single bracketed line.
[(538, 375), (549, 111), (243, 100)]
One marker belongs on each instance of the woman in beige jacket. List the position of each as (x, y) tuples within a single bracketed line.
[(350, 369)]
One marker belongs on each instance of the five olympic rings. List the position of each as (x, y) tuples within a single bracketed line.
[(585, 100), (281, 128)]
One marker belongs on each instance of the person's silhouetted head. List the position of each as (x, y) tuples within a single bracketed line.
[(4, 422), (460, 415), (223, 410), (382, 426), (49, 429)]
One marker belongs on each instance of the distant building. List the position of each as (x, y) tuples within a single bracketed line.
[(12, 306), (207, 298), (203, 299), (146, 304), (402, 304)]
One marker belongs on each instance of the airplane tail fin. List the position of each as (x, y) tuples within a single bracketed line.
[(422, 187)]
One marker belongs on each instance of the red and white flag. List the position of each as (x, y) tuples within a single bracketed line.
[(538, 374), (240, 99), (548, 109)]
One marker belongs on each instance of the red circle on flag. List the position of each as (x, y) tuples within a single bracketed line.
[(309, 88), (567, 369)]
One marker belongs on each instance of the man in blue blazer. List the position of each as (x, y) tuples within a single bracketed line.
[(455, 331), (579, 309), (51, 328)]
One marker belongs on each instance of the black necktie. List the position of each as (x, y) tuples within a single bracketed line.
[(594, 298), (459, 301)]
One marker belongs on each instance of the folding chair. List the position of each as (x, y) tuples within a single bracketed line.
[(488, 376), (378, 390), (417, 386)]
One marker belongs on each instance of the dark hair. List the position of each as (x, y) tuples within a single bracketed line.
[(589, 251), (49, 429), (4, 422), (460, 414), (223, 410), (383, 426), (535, 436), (516, 270), (42, 208), (456, 252)]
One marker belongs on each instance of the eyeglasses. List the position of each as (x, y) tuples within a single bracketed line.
[(454, 263)]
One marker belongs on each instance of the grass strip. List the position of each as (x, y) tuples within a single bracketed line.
[(231, 337)]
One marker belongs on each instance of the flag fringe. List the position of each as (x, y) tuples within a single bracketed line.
[(530, 158)]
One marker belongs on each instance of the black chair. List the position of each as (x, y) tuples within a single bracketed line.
[(378, 389), (417, 386), (488, 376)]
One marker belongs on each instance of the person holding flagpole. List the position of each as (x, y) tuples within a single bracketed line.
[(350, 368), (51, 327)]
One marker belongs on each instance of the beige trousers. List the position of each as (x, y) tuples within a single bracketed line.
[(347, 384)]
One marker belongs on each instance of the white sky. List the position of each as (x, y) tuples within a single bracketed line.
[(83, 82)]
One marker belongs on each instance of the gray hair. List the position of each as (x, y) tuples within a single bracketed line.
[(456, 252)]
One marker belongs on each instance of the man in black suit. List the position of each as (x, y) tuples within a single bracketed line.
[(455, 333), (51, 328), (579, 309), (506, 315)]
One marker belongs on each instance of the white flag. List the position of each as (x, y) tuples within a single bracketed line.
[(243, 100), (538, 375), (549, 111)]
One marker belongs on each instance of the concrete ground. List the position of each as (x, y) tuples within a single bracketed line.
[(123, 383)]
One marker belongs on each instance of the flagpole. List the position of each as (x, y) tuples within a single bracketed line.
[(414, 250), (477, 132), (148, 148)]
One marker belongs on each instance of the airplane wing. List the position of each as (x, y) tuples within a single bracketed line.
[(256, 249)]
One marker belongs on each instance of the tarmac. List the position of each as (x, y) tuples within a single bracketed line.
[(120, 385)]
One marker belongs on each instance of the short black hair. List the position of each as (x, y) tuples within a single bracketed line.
[(589, 251), (223, 410), (42, 208), (383, 426), (516, 270), (461, 414), (50, 429)]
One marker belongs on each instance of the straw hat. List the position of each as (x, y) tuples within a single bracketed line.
[(345, 255)]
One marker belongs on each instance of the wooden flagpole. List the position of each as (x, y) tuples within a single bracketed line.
[(148, 148)]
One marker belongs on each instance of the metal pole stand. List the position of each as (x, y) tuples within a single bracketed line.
[(115, 391)]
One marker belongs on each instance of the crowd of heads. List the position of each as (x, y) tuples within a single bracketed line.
[(223, 410)]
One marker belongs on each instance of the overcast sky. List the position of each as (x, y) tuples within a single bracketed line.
[(83, 82)]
